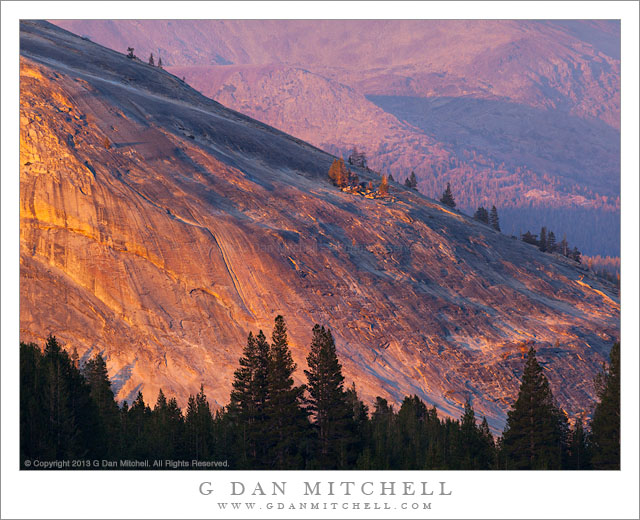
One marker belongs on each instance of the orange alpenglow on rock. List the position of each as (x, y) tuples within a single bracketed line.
[(199, 224)]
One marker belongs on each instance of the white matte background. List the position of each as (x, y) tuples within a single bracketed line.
[(164, 494)]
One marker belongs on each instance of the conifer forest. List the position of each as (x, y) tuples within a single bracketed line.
[(68, 412)]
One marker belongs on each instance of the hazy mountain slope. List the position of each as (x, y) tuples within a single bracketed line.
[(545, 64), (316, 109), (521, 114), (159, 227)]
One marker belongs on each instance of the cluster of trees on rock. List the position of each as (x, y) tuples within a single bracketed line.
[(68, 411), (411, 181), (608, 267), (357, 158), (489, 218), (152, 63), (447, 197), (547, 243), (341, 176), (132, 56)]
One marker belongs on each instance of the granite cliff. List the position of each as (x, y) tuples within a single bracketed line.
[(524, 114), (159, 227)]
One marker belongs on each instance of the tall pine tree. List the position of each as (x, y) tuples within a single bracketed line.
[(411, 181), (536, 433), (447, 197), (288, 423), (95, 372), (605, 425), (481, 215), (494, 221), (327, 400), (542, 242), (248, 405)]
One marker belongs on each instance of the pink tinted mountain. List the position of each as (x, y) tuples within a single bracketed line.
[(158, 228), (517, 113)]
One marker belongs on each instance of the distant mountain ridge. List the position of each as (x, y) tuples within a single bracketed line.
[(521, 114), (159, 228)]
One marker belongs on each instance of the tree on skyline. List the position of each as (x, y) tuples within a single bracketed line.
[(447, 197), (482, 215), (287, 418), (542, 242), (383, 189), (535, 436), (411, 181), (357, 158), (327, 399), (493, 218), (605, 424)]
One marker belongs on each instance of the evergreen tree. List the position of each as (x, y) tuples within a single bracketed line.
[(151, 62), (357, 427), (75, 358), (447, 197), (327, 400), (167, 428), (95, 372), (578, 457), (576, 255), (248, 405), (288, 423), (551, 242), (391, 179), (536, 433), (411, 421), (482, 215), (380, 450), (383, 189), (357, 158), (199, 427), (493, 219), (542, 243), (138, 441), (529, 238), (488, 458), (69, 416), (477, 442), (130, 54), (159, 63), (411, 181), (564, 246), (605, 425), (338, 173)]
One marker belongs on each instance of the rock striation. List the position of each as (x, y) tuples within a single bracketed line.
[(159, 227)]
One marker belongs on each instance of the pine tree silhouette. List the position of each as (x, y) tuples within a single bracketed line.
[(411, 181), (447, 197), (605, 425), (288, 423), (536, 433), (327, 398), (493, 219), (481, 215), (542, 242)]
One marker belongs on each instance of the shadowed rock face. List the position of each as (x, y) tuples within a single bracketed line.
[(159, 228), (518, 113)]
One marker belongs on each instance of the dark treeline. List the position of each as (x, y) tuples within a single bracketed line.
[(68, 412), (547, 242)]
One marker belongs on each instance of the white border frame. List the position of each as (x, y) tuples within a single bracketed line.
[(175, 495)]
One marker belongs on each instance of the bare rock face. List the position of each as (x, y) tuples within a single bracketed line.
[(158, 228), (518, 113)]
